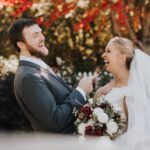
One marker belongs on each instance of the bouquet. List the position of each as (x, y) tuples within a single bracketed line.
[(100, 118)]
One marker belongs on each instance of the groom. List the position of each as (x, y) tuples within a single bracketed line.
[(46, 99)]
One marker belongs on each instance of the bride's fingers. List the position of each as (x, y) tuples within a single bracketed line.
[(95, 75), (95, 96), (98, 93)]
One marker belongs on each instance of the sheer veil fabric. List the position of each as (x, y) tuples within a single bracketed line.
[(137, 136)]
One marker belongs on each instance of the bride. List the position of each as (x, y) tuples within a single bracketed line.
[(130, 90)]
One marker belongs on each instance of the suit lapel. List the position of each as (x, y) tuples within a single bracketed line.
[(27, 63), (56, 77)]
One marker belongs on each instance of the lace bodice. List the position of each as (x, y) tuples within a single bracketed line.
[(116, 97)]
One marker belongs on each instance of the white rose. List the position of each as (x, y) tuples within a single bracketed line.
[(91, 100), (98, 110), (112, 126), (102, 117), (90, 122), (81, 128)]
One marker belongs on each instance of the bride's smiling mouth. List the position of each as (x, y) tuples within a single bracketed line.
[(106, 62)]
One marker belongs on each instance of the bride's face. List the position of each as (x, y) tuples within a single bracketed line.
[(114, 60)]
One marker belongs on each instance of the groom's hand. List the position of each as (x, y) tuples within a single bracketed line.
[(87, 83)]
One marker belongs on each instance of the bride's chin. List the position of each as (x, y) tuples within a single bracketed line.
[(107, 68)]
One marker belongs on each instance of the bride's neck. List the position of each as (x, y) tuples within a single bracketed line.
[(121, 78)]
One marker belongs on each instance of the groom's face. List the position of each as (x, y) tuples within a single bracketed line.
[(34, 41)]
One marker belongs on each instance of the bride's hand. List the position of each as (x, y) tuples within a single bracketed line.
[(103, 90), (98, 93)]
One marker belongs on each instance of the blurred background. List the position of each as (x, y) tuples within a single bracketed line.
[(76, 32)]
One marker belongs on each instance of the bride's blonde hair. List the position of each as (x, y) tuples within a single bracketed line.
[(125, 46)]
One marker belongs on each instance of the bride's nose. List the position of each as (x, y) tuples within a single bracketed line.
[(104, 54)]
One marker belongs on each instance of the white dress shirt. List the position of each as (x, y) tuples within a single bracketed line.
[(45, 66)]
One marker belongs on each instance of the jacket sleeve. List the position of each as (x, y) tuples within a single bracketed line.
[(42, 104)]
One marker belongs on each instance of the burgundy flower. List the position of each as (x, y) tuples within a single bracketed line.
[(89, 130), (103, 105), (98, 133), (92, 126), (93, 131), (86, 110)]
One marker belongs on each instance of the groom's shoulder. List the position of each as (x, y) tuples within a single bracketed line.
[(27, 73), (27, 70)]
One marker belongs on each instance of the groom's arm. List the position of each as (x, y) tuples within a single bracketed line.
[(85, 86), (42, 104)]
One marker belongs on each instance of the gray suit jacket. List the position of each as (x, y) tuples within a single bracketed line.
[(46, 100)]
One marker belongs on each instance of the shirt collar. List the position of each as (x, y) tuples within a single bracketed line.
[(34, 60)]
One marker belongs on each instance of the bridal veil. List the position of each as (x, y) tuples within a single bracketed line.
[(137, 136)]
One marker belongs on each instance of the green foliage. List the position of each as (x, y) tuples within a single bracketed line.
[(104, 78), (12, 117)]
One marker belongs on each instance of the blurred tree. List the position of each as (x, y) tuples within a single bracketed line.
[(79, 27)]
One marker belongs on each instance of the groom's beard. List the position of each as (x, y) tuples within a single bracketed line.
[(37, 52)]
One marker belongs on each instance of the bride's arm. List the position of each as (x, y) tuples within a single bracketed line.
[(125, 107), (99, 92), (103, 90)]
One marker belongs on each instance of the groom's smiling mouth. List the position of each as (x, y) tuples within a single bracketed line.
[(41, 45)]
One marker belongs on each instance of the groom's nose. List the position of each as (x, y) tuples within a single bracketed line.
[(42, 37)]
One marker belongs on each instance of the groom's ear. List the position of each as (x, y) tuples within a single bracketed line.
[(20, 45)]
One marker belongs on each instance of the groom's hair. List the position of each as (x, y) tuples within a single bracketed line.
[(15, 31)]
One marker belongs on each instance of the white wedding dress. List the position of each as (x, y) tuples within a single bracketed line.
[(137, 93)]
